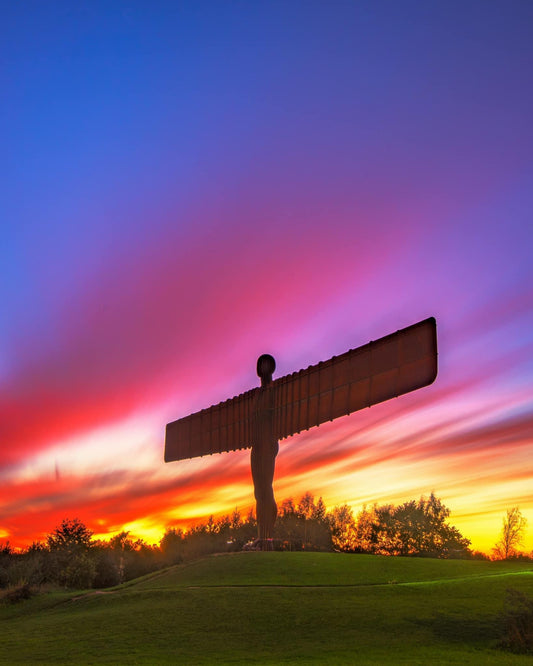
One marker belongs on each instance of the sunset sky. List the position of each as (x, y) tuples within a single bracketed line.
[(187, 185)]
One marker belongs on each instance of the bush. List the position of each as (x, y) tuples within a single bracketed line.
[(4, 577), (517, 619), (18, 593), (107, 571), (27, 567), (79, 574)]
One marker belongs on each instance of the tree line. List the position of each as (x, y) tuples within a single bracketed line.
[(70, 556)]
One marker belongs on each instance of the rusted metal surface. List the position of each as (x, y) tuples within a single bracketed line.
[(362, 377), (380, 370)]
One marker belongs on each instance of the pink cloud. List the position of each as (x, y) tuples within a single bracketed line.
[(170, 318)]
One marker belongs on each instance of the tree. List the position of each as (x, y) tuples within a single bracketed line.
[(513, 528), (413, 528), (172, 545), (5, 549), (342, 526), (122, 542), (6, 555), (425, 530), (377, 531), (235, 520), (306, 505), (70, 535), (287, 507), (70, 561), (319, 511)]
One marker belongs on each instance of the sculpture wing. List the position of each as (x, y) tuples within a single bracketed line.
[(223, 427), (380, 370)]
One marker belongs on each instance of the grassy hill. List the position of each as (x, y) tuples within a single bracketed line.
[(276, 608)]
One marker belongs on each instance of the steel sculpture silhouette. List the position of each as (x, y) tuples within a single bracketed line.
[(380, 370)]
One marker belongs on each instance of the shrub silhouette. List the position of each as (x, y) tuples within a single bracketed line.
[(517, 619), (18, 593), (69, 561)]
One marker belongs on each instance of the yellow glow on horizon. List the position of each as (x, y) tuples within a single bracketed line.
[(145, 529), (373, 458)]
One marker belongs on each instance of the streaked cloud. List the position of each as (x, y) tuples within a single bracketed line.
[(175, 208)]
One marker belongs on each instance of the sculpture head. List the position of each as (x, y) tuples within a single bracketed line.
[(265, 368)]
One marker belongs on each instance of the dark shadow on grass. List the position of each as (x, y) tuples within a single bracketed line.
[(460, 629)]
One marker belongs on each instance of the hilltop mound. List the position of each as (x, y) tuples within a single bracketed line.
[(277, 608), (319, 569)]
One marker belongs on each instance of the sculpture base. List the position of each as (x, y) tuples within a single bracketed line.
[(260, 544)]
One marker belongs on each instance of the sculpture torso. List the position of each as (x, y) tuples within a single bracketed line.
[(263, 458)]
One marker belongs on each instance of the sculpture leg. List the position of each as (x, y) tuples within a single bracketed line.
[(267, 512), (263, 460)]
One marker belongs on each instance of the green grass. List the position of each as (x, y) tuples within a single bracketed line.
[(276, 608)]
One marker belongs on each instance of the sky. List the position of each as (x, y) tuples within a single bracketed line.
[(185, 186)]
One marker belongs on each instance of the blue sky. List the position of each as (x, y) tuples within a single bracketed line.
[(186, 186)]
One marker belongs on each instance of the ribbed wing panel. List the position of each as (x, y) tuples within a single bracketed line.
[(383, 369), (223, 427)]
